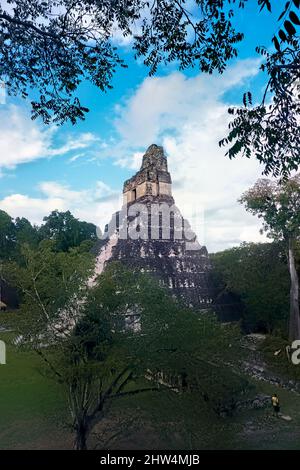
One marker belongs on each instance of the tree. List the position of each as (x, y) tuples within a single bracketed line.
[(52, 47), (63, 228), (7, 235), (279, 207), (47, 280), (255, 274), (66, 231), (270, 129), (113, 340), (25, 232)]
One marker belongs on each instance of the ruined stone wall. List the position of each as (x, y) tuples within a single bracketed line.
[(165, 188), (147, 188), (153, 179), (183, 273), (155, 157)]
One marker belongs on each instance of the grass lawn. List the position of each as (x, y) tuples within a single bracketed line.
[(33, 416), (31, 406)]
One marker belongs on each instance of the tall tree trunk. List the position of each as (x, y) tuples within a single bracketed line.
[(294, 327), (81, 437)]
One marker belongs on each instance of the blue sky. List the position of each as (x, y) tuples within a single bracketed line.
[(82, 167)]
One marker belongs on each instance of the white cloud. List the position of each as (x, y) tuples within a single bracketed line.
[(133, 162), (76, 157), (188, 117), (163, 104), (81, 141), (34, 209), (119, 39), (54, 190), (94, 205), (23, 140)]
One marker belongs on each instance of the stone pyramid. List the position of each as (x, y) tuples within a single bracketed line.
[(149, 234)]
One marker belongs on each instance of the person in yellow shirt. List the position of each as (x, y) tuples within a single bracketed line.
[(275, 404)]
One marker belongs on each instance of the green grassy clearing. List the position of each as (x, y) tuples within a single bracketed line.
[(33, 416), (31, 406)]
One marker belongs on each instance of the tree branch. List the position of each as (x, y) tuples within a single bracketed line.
[(39, 352), (28, 24), (135, 392), (287, 66)]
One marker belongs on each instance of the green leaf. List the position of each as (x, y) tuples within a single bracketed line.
[(265, 3), (284, 11), (290, 28), (294, 18), (282, 35), (276, 43), (250, 98)]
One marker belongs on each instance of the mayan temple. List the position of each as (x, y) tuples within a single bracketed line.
[(149, 234)]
